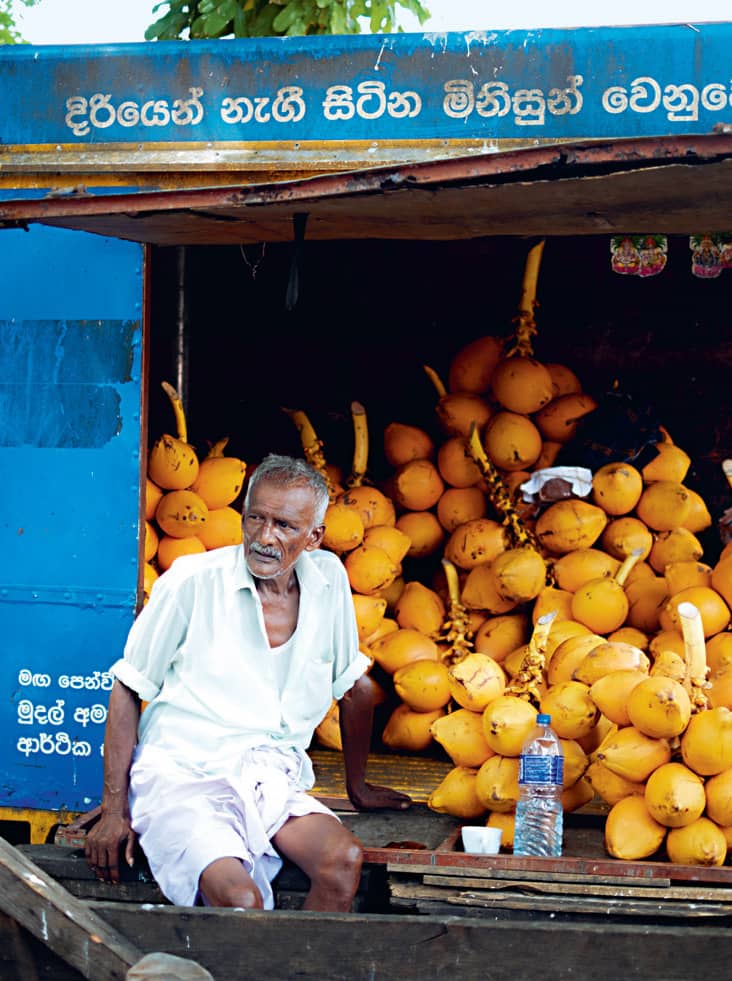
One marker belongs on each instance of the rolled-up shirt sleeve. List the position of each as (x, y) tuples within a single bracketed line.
[(152, 641), (349, 663)]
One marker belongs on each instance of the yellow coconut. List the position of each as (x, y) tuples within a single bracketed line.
[(343, 528), (222, 527), (408, 730), (401, 647), (387, 626), (476, 542), (552, 600), (699, 843), (582, 564), (610, 656), (507, 721), (498, 636), (659, 707), (512, 441), (576, 796), (151, 541), (608, 785), (460, 733), (522, 385), (682, 575), (562, 630), (641, 570), (172, 464), (423, 685), (403, 443), (475, 681), (630, 831), (719, 651), (601, 604), (667, 640), (568, 655), (374, 507), (617, 488), (572, 710), (669, 664), (505, 821), (455, 464), (497, 783), (153, 493), (370, 612), (169, 549), (624, 536), (646, 600), (575, 761), (570, 524), (458, 411), (670, 463), (706, 746), (480, 592), (718, 792), (456, 794), (369, 569), (714, 612), (674, 795), (610, 693), (519, 574), (558, 420), (393, 541), (181, 513), (677, 545), (664, 505), (421, 608), (220, 480), (424, 532), (722, 578), (564, 380), (392, 592), (633, 755), (698, 518), (630, 635), (471, 369), (460, 504)]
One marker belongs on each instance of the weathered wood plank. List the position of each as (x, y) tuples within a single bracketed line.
[(65, 924), (283, 945), (519, 875)]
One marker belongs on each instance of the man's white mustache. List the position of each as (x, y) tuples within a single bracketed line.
[(269, 551)]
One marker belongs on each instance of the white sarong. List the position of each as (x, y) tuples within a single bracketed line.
[(186, 817)]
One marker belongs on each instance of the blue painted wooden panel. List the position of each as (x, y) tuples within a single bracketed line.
[(484, 84), (70, 399)]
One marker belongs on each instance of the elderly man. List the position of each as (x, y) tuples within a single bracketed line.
[(239, 653)]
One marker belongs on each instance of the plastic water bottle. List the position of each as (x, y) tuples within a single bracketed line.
[(539, 813)]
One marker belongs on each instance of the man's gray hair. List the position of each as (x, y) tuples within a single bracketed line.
[(289, 471)]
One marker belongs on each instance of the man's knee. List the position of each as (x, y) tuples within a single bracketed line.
[(341, 869), (226, 883)]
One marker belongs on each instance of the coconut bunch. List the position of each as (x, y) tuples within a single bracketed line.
[(187, 500)]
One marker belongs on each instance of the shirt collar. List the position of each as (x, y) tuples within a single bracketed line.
[(309, 575)]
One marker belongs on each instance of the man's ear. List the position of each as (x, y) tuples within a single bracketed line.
[(316, 538)]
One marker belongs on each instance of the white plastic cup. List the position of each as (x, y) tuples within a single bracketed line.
[(481, 840)]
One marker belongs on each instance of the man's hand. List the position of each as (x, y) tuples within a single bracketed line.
[(103, 845), (372, 798)]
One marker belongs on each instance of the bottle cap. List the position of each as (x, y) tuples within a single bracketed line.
[(543, 720)]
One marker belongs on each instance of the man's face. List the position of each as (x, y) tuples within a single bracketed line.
[(278, 525)]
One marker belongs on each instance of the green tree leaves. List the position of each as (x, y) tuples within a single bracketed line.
[(260, 18), (9, 33)]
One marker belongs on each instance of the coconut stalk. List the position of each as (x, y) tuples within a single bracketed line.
[(456, 630), (181, 426), (525, 322), (360, 445), (695, 651), (627, 566), (312, 447), (528, 680)]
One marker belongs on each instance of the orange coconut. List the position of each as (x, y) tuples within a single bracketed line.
[(610, 656), (631, 833), (507, 721), (719, 651), (519, 574), (456, 794), (664, 505), (460, 504), (370, 612), (564, 380), (683, 575), (424, 531), (153, 493), (421, 608), (633, 755), (670, 463), (570, 524), (617, 488), (476, 542), (423, 685), (610, 693), (646, 599), (151, 541), (172, 464), (676, 545), (471, 369), (497, 636), (223, 527), (577, 567), (698, 518), (721, 579), (480, 591), (718, 790), (630, 635), (458, 412), (169, 549), (547, 457), (374, 507), (181, 513), (608, 785), (572, 710), (714, 612), (408, 730), (343, 528), (460, 733), (700, 843), (623, 536), (417, 485), (220, 480), (706, 746), (393, 541), (569, 654), (403, 443), (497, 783), (475, 681), (659, 707), (512, 441), (558, 420), (456, 465), (720, 691), (522, 385), (562, 630), (149, 576), (370, 569), (669, 664), (403, 646), (552, 600)]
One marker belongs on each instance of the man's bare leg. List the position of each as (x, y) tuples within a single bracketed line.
[(328, 854), (225, 882)]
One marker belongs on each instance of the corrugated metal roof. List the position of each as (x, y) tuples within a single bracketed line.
[(676, 185)]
